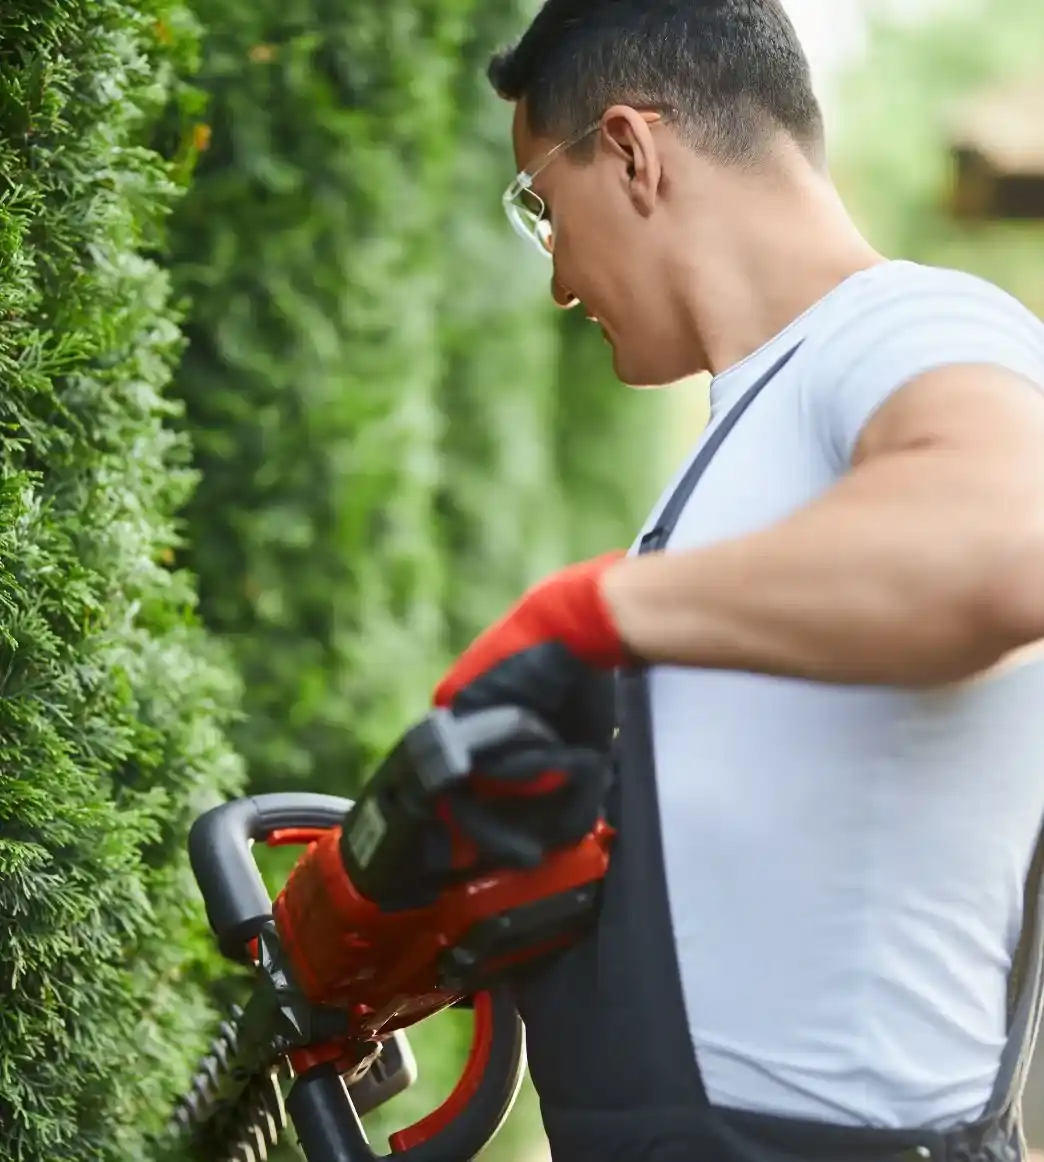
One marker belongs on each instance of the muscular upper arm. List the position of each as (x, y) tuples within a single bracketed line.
[(929, 404), (982, 412), (960, 451)]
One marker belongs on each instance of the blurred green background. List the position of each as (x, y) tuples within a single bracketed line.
[(287, 418)]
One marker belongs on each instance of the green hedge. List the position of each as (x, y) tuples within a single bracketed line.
[(113, 705), (372, 388)]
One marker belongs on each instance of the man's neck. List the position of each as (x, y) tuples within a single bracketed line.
[(758, 276)]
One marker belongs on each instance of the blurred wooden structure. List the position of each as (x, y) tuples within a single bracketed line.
[(997, 146)]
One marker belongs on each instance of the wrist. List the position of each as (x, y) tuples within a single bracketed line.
[(613, 589)]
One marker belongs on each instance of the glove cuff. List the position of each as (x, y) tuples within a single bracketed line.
[(603, 646), (578, 614), (567, 607)]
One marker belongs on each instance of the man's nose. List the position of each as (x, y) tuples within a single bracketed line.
[(562, 295)]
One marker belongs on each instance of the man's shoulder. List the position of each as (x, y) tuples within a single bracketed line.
[(899, 308), (901, 321), (912, 295)]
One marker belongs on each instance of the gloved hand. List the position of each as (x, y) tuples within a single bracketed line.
[(553, 653)]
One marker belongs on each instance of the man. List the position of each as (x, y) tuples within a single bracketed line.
[(830, 762)]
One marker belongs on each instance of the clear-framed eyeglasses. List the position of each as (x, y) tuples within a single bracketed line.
[(526, 210)]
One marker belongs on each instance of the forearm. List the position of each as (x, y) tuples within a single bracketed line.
[(886, 580)]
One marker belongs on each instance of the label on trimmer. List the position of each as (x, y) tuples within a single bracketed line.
[(366, 829)]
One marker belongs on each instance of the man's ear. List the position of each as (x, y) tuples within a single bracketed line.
[(627, 135)]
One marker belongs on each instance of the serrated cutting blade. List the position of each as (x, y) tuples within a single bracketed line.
[(229, 1114)]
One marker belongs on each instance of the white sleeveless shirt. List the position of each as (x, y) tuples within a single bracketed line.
[(845, 864)]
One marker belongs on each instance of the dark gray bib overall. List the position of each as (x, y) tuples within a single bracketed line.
[(607, 1032)]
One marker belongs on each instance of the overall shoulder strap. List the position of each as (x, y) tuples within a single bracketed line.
[(1025, 992), (658, 536)]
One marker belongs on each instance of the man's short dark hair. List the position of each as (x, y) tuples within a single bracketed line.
[(733, 70)]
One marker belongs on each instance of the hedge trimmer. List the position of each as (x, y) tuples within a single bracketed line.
[(320, 1051)]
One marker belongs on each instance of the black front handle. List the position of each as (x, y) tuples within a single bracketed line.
[(236, 899)]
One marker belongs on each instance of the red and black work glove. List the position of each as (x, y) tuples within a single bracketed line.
[(553, 654)]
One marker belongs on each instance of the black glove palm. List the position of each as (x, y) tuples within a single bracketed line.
[(527, 801)]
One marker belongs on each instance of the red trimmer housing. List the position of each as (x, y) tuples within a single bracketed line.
[(405, 948)]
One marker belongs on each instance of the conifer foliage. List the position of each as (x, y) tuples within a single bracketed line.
[(113, 704), (264, 331)]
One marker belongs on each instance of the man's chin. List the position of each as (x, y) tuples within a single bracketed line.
[(639, 377)]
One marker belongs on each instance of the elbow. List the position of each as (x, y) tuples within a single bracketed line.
[(1010, 601)]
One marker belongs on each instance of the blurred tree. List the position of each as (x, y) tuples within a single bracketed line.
[(393, 437), (309, 248), (547, 457), (890, 152)]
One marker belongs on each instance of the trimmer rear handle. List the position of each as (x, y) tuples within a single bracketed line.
[(384, 844)]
